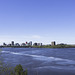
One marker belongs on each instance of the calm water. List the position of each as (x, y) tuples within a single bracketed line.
[(42, 61)]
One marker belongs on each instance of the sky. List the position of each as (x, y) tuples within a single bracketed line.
[(38, 21)]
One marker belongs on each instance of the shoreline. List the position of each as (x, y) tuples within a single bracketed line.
[(44, 46)]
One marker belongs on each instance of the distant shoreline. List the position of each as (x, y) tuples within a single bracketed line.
[(43, 46)]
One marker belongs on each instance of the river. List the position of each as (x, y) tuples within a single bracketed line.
[(41, 61)]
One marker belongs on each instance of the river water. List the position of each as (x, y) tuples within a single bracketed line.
[(41, 61)]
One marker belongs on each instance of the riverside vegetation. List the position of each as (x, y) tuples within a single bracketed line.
[(55, 46), (5, 70), (43, 46), (18, 70)]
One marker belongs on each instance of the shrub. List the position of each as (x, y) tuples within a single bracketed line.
[(19, 70)]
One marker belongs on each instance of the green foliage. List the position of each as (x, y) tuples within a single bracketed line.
[(11, 73), (19, 70), (5, 70), (25, 72), (55, 46)]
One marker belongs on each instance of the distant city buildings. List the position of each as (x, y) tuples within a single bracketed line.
[(53, 43), (4, 44), (17, 44), (30, 43), (23, 44), (9, 45), (12, 43), (37, 44)]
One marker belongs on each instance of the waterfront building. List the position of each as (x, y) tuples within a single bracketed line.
[(35, 44), (17, 44), (39, 44), (9, 45), (26, 43), (30, 43), (53, 43), (12, 43), (23, 44), (4, 44), (61, 44)]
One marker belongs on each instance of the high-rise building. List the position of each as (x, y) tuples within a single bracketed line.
[(4, 44), (35, 44), (12, 43), (53, 43), (30, 43)]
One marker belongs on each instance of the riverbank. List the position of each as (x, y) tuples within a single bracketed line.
[(43, 46)]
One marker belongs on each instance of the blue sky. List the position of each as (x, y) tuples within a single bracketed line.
[(37, 20)]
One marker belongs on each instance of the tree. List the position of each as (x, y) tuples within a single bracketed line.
[(25, 72), (18, 70)]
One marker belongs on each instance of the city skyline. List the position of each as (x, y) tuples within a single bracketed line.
[(32, 43), (37, 20)]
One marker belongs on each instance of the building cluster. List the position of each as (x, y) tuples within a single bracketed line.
[(22, 44), (17, 44), (37, 44), (27, 44)]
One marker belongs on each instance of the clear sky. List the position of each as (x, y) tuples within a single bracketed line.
[(37, 20)]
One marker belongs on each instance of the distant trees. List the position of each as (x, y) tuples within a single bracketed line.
[(55, 46)]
